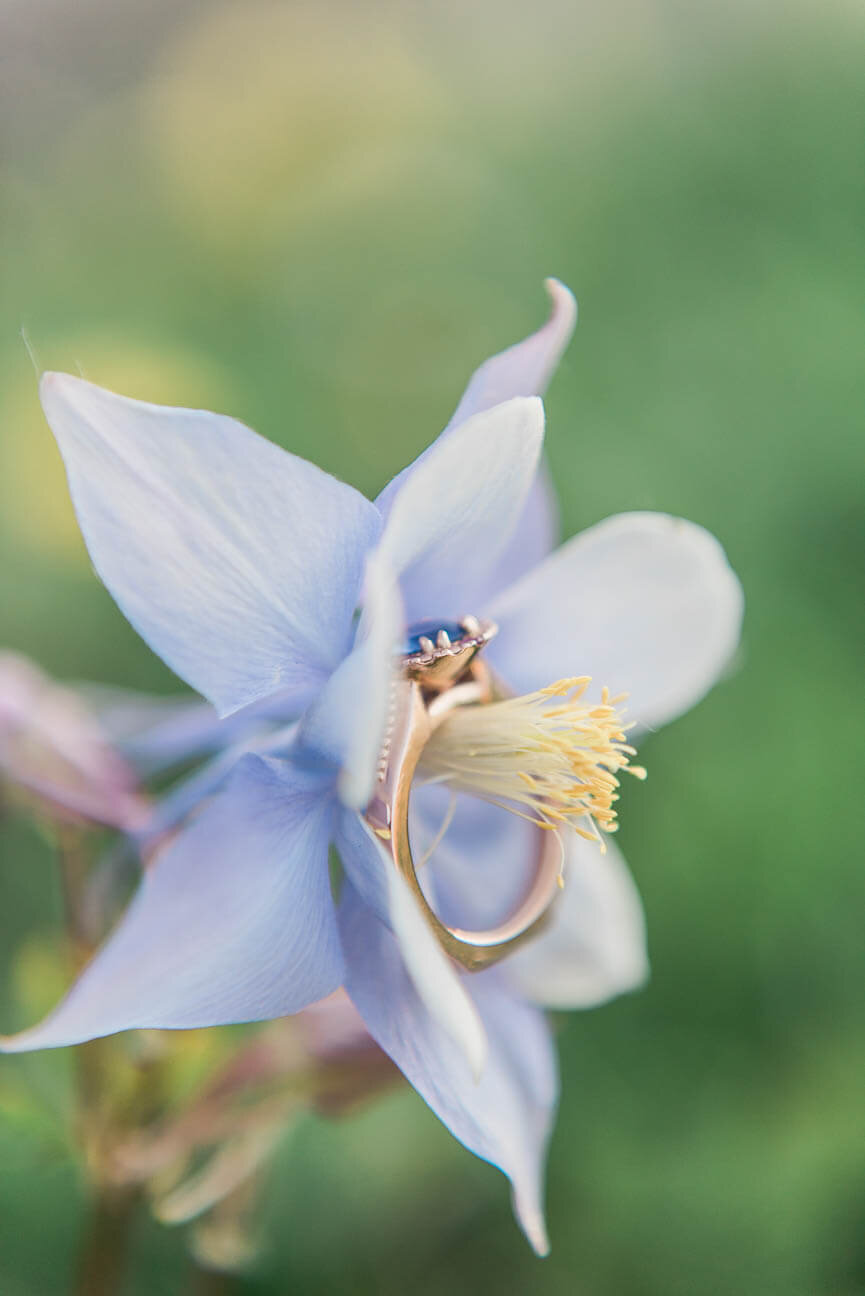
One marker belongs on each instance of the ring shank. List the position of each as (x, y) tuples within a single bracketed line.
[(474, 950)]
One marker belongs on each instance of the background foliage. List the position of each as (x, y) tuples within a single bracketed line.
[(319, 218)]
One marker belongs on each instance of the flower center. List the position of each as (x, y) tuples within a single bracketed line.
[(549, 756)]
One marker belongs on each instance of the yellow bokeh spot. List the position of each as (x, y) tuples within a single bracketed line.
[(35, 508), (254, 101), (40, 975)]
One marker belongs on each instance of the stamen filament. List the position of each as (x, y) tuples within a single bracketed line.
[(548, 757)]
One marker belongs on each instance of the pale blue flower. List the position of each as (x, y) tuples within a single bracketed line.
[(245, 568)]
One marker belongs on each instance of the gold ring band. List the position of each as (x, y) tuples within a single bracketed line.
[(462, 682)]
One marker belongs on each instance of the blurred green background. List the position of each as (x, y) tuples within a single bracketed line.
[(320, 218)]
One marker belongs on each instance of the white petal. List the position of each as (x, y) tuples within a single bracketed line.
[(233, 922), (435, 977), (522, 370), (525, 368), (594, 944), (536, 534), (644, 603), (372, 874), (347, 721), (239, 563), (505, 1116), (457, 509), (157, 732), (483, 864)]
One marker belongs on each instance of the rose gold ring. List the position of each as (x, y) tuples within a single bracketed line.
[(441, 670)]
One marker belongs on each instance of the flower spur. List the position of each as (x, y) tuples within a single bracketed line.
[(244, 567)]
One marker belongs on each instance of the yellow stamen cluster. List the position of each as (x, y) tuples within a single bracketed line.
[(549, 756)]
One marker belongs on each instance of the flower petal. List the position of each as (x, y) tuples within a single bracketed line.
[(372, 876), (239, 563), (346, 723), (438, 985), (53, 746), (644, 603), (187, 794), (482, 865), (525, 368), (505, 1116), (522, 370), (536, 534), (156, 732), (233, 922), (594, 944), (457, 509)]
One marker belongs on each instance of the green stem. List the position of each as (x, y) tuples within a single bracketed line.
[(102, 1254)]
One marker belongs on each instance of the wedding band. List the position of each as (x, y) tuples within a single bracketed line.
[(441, 670)]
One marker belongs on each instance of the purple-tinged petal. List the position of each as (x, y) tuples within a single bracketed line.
[(364, 860), (437, 983), (483, 863), (333, 1029), (535, 535), (522, 370), (372, 876), (457, 509), (644, 603), (239, 563), (233, 922), (504, 1117), (188, 794), (54, 747), (346, 724), (593, 946), (526, 368), (156, 732)]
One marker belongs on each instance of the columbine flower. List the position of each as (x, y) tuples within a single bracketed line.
[(244, 568)]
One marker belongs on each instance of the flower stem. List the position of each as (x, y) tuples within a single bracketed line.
[(102, 1253), (102, 1258), (211, 1282)]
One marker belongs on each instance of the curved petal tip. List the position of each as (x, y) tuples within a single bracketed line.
[(564, 306), (531, 1220)]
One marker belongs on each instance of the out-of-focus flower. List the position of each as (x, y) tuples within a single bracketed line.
[(203, 1160), (245, 567), (54, 752)]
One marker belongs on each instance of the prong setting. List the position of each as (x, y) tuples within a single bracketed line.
[(429, 642), (438, 654)]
